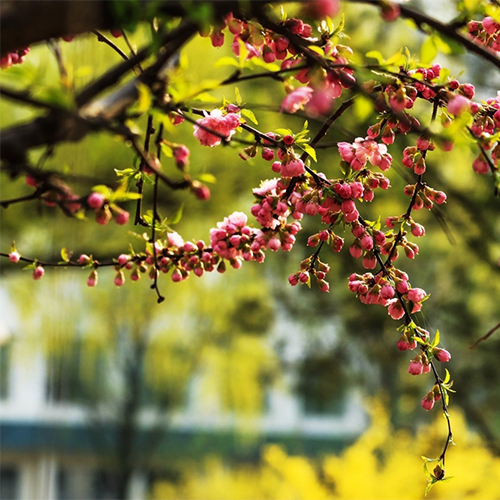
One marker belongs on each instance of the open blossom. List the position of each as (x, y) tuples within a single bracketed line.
[(296, 99), (175, 239), (361, 151), (224, 125)]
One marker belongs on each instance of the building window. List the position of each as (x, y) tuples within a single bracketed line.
[(322, 384), (71, 378)]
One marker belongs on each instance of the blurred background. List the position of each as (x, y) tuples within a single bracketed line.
[(240, 386)]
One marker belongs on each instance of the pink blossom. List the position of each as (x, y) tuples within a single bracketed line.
[(38, 272), (480, 165), (417, 229), (14, 257), (92, 279), (239, 219), (181, 155), (390, 11), (296, 99), (428, 401), (416, 294), (224, 125), (416, 367), (322, 8), (201, 191), (458, 104), (441, 354), (121, 218), (293, 168), (175, 239), (395, 309), (369, 261), (83, 259), (387, 292), (119, 279), (123, 259), (95, 200)]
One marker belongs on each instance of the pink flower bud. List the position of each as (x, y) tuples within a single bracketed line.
[(323, 285), (416, 294), (92, 279), (95, 200), (387, 292), (428, 401), (83, 259), (119, 278), (441, 354), (181, 156), (121, 218), (14, 257), (458, 104), (123, 259), (416, 367), (38, 273)]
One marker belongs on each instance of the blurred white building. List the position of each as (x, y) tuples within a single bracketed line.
[(56, 449)]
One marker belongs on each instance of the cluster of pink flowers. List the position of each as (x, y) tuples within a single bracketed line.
[(485, 32), (232, 240), (381, 289), (425, 198), (223, 124), (270, 210), (361, 151), (311, 268)]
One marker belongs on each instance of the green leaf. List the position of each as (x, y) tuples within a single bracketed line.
[(102, 189), (430, 484), (226, 61), (435, 342), (121, 196), (144, 100), (282, 13), (125, 172), (65, 255), (239, 100), (284, 131), (205, 97), (340, 26), (249, 114), (176, 218), (428, 51), (166, 150), (211, 179), (310, 151), (375, 54), (243, 53), (447, 376), (471, 5), (363, 107)]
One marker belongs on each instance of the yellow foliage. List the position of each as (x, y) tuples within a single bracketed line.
[(381, 464)]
